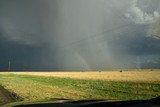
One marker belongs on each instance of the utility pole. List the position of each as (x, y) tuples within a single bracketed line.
[(9, 65)]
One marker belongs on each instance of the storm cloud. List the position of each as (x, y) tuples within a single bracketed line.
[(79, 34)]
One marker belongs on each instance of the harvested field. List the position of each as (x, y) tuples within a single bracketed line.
[(135, 76), (115, 85)]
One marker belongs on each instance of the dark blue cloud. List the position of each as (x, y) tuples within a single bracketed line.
[(77, 35)]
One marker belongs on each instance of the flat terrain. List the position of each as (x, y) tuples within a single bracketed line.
[(115, 85), (133, 76)]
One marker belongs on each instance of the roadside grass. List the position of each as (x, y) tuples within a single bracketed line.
[(2, 100), (40, 88)]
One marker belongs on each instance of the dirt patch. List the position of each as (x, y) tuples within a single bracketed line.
[(6, 96)]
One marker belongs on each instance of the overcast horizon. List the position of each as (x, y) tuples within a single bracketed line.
[(79, 34)]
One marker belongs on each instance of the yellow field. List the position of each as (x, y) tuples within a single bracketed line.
[(126, 85), (135, 76)]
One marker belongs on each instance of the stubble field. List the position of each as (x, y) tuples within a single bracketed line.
[(109, 85), (133, 75)]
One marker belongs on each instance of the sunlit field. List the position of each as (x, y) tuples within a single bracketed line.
[(132, 75), (109, 85)]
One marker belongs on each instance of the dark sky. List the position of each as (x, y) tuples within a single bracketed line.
[(79, 34)]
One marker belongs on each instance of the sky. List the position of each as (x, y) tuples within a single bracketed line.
[(79, 34)]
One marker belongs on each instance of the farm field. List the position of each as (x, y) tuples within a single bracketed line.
[(115, 85), (133, 75)]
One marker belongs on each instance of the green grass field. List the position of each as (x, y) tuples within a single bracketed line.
[(40, 88)]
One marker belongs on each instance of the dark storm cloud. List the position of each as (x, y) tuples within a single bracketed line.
[(79, 34), (23, 32), (22, 21)]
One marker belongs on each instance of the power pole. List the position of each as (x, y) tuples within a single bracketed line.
[(9, 65)]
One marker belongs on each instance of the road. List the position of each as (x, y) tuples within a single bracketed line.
[(6, 96)]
